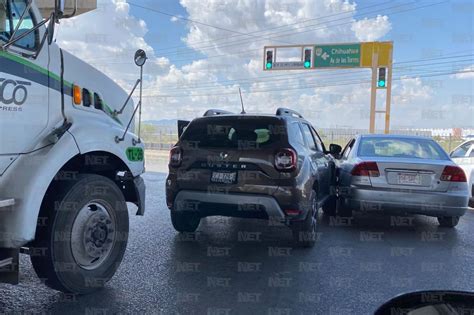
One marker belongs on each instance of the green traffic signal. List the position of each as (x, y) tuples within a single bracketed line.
[(381, 83), (269, 65), (307, 64)]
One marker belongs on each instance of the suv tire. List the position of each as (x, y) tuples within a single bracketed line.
[(304, 232), (448, 221), (185, 221)]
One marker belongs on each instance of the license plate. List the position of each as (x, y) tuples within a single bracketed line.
[(224, 177), (409, 179)]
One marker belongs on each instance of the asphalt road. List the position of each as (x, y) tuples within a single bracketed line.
[(236, 266)]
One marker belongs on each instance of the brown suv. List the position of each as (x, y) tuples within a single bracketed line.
[(272, 167)]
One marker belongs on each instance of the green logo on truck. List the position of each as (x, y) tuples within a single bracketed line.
[(135, 154)]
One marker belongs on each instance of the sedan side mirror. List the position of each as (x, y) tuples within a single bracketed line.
[(335, 149)]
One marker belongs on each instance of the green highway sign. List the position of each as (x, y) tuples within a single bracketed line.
[(337, 56)]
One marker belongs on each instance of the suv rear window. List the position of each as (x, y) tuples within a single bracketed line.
[(401, 147), (236, 132)]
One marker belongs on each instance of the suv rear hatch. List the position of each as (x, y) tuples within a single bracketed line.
[(231, 153)]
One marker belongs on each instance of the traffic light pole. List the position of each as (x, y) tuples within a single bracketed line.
[(389, 96), (373, 92), (376, 56)]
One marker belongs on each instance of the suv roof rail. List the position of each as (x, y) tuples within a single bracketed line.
[(288, 112), (213, 112)]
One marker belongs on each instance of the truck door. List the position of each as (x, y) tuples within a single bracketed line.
[(24, 82)]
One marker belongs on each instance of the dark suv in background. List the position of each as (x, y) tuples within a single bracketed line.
[(272, 167)]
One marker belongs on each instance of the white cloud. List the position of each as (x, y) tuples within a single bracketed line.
[(466, 73), (367, 30), (411, 90), (110, 36), (108, 39)]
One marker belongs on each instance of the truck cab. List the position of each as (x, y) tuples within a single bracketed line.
[(69, 156)]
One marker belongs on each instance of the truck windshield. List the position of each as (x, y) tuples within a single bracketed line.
[(4, 26), (234, 132), (10, 14), (417, 148)]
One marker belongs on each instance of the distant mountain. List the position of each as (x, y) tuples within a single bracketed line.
[(162, 122)]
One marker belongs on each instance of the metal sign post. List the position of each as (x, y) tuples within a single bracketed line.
[(373, 93), (373, 55)]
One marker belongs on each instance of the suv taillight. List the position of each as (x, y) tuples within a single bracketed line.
[(176, 157), (366, 169), (285, 160), (453, 174)]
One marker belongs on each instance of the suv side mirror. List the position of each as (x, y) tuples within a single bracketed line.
[(335, 149)]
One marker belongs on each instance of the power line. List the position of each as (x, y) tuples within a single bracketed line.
[(310, 86), (277, 27), (324, 79), (251, 51), (195, 21), (324, 26), (310, 74)]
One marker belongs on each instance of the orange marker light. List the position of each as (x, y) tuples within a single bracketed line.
[(77, 94)]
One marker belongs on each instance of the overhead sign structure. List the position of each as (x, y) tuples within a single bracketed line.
[(327, 56), (288, 65), (374, 55)]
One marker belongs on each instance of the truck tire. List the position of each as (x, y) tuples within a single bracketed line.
[(185, 221), (304, 232), (82, 234)]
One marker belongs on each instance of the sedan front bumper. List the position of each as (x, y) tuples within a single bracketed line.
[(436, 204)]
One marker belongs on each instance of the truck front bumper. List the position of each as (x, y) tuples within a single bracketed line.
[(140, 191)]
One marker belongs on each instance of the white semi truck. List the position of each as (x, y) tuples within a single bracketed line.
[(69, 158)]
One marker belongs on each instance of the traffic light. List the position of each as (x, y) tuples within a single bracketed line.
[(269, 60), (382, 78), (307, 58)]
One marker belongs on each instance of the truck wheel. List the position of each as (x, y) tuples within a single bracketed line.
[(304, 232), (329, 207), (185, 221), (83, 236), (448, 221)]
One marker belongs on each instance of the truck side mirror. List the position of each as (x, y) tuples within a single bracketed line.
[(140, 57)]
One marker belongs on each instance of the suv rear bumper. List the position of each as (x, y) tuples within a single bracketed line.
[(187, 200)]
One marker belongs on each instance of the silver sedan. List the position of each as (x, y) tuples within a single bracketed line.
[(401, 175), (463, 155)]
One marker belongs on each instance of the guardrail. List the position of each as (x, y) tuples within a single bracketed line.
[(165, 138)]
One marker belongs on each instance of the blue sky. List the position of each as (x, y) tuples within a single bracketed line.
[(424, 33), (178, 88), (427, 32)]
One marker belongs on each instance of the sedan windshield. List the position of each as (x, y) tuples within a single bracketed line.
[(401, 147)]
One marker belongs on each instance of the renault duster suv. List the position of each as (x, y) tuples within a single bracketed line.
[(272, 167)]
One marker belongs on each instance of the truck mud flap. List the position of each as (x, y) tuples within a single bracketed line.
[(9, 265)]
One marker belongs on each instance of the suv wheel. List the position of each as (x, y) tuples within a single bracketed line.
[(185, 221), (304, 232), (448, 221)]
